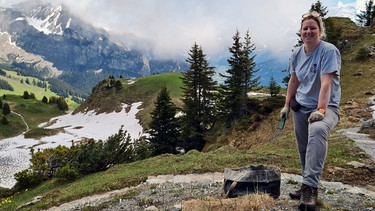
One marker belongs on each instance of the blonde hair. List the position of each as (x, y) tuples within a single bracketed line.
[(318, 19)]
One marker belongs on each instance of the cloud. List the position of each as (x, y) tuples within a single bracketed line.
[(172, 27)]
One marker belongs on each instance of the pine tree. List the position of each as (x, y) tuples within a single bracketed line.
[(45, 100), (366, 18), (239, 79), (318, 7), (26, 95), (164, 130), (62, 104), (6, 109), (274, 87), (199, 99)]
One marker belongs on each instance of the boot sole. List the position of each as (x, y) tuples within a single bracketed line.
[(304, 207)]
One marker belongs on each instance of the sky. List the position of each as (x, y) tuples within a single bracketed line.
[(171, 27)]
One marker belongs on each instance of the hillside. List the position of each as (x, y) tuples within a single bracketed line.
[(144, 89), (234, 147), (26, 113)]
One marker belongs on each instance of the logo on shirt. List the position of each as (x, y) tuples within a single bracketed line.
[(314, 68)]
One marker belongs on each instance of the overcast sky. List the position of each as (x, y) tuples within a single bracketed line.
[(172, 26)]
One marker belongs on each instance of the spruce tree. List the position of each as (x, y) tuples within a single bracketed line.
[(6, 109), (366, 18), (199, 100), (239, 79), (318, 7), (274, 87), (163, 128)]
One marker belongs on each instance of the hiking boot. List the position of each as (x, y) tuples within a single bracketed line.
[(296, 194), (309, 197)]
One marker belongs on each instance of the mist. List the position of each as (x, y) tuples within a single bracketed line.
[(168, 28)]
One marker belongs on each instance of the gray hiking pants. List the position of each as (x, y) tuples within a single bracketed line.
[(312, 142)]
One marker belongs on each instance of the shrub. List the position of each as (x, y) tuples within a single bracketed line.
[(67, 173), (4, 121), (27, 179), (363, 53)]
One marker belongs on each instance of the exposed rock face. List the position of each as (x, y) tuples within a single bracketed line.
[(72, 46)]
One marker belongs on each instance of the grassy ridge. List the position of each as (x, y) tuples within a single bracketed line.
[(143, 89), (33, 111), (15, 81)]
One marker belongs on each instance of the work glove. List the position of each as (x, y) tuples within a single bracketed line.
[(284, 112), (316, 116)]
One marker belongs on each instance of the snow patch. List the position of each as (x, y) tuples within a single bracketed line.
[(15, 152)]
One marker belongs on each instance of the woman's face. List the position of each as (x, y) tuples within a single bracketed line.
[(310, 32)]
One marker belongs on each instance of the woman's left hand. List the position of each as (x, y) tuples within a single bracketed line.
[(316, 116)]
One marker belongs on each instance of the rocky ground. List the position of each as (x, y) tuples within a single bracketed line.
[(167, 192)]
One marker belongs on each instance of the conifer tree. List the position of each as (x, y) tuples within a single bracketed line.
[(199, 99), (274, 87), (239, 79), (45, 100), (318, 7), (62, 104), (6, 109), (164, 130), (366, 18)]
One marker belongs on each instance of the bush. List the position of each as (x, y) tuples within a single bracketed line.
[(27, 179), (4, 121), (67, 173), (362, 54)]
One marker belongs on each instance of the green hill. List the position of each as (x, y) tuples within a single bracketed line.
[(20, 84), (143, 89), (33, 111)]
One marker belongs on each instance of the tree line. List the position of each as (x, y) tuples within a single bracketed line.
[(205, 102)]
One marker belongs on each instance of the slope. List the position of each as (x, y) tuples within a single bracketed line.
[(262, 146), (107, 99)]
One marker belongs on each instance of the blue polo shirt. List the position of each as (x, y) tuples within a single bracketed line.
[(308, 69)]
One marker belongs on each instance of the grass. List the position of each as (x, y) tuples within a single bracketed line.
[(19, 88), (34, 112), (143, 90), (281, 153)]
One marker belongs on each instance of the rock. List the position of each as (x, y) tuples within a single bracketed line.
[(356, 164), (32, 202), (151, 208), (368, 124), (371, 101)]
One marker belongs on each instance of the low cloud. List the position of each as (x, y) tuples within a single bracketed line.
[(171, 27)]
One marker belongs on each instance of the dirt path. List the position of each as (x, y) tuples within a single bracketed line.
[(23, 119)]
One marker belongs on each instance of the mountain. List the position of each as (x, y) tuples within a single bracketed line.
[(51, 42)]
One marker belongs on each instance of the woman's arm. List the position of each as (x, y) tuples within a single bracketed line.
[(292, 88), (325, 90)]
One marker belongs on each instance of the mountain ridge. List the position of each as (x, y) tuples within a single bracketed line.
[(83, 54)]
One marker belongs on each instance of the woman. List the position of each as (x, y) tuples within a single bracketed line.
[(314, 95)]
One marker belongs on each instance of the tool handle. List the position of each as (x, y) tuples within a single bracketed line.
[(282, 123)]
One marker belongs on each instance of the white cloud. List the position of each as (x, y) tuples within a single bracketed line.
[(173, 26)]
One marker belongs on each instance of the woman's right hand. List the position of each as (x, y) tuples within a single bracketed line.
[(284, 112)]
